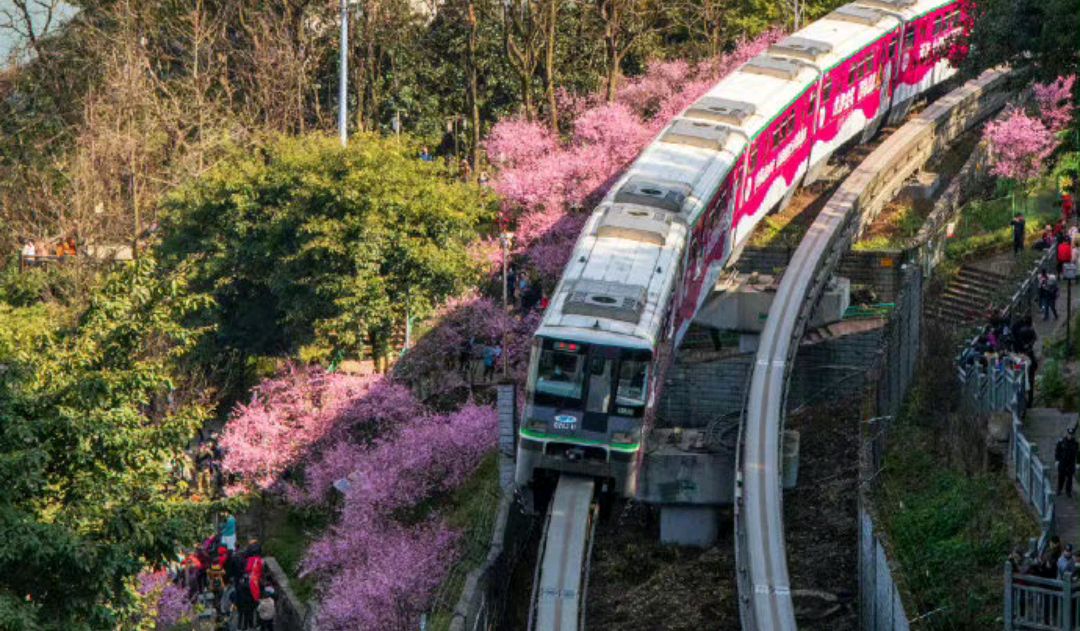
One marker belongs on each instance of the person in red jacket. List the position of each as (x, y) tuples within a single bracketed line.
[(1064, 254), (1066, 206), (254, 570)]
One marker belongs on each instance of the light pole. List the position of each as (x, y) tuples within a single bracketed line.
[(505, 238), (343, 78)]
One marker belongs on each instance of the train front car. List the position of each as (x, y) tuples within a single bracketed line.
[(584, 412)]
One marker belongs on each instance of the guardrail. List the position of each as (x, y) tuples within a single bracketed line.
[(1033, 602), (1033, 476), (761, 559)]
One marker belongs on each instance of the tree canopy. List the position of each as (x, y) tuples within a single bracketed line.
[(306, 244), (91, 421)]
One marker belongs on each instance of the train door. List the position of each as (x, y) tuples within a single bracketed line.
[(601, 365)]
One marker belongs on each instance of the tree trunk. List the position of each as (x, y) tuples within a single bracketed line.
[(473, 87), (549, 64)]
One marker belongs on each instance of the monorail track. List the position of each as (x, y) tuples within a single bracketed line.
[(559, 589), (765, 601)]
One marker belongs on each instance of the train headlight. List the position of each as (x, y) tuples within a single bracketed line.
[(622, 438), (536, 425)]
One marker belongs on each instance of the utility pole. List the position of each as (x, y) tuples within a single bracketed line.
[(343, 77)]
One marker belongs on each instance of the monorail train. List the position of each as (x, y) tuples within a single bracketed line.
[(654, 247)]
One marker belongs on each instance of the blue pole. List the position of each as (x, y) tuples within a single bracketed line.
[(343, 79)]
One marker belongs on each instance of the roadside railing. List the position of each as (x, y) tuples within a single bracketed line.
[(1036, 483), (1033, 602), (995, 387)]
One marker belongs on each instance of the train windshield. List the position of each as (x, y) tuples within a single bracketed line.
[(560, 374), (633, 377)]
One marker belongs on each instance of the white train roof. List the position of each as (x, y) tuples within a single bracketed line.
[(908, 9), (624, 265), (834, 38)]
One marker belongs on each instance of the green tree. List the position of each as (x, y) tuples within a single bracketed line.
[(1020, 32), (305, 243), (91, 423)]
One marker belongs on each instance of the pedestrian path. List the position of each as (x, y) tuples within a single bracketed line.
[(1043, 427)]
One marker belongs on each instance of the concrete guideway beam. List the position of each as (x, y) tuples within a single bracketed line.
[(765, 593)]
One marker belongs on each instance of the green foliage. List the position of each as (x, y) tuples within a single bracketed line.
[(948, 532), (1018, 32), (305, 242), (89, 426), (34, 284)]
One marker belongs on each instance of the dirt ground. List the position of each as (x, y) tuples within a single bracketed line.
[(821, 519), (637, 584)]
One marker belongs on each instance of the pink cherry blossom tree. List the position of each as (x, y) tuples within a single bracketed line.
[(547, 184), (379, 571), (1019, 146), (1054, 102), (289, 414)]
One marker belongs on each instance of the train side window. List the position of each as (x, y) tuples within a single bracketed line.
[(753, 159), (937, 25), (851, 75), (826, 91), (909, 39), (812, 103)]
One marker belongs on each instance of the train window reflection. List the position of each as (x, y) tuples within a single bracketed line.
[(560, 374), (633, 377)]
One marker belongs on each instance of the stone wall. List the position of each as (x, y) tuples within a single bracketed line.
[(292, 615)]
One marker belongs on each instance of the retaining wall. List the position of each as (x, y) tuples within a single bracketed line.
[(880, 606), (879, 269), (696, 393)]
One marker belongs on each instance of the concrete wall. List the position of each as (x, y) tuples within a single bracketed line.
[(292, 615), (696, 393), (880, 607), (877, 269)]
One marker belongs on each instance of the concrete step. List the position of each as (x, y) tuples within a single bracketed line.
[(983, 283), (960, 294)]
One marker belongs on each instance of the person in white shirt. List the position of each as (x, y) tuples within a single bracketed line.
[(29, 250)]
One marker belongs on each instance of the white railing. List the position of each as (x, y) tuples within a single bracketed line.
[(1033, 476)]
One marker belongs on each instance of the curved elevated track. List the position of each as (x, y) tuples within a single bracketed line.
[(765, 592)]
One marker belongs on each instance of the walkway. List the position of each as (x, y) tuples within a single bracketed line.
[(1044, 426)]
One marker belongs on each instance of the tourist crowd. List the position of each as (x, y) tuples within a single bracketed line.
[(227, 585)]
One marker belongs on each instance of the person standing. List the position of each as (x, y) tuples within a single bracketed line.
[(1048, 293), (266, 610), (1064, 254), (245, 605), (1018, 224), (1065, 452), (1066, 566), (228, 532), (491, 356), (1066, 206)]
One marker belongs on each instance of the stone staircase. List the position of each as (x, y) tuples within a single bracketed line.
[(969, 296)]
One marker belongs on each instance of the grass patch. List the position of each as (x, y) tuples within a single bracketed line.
[(983, 225), (949, 519), (287, 535), (472, 510), (949, 532)]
